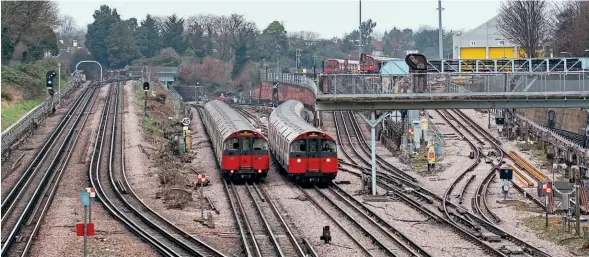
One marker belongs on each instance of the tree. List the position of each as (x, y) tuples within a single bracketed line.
[(26, 22), (571, 26), (122, 47), (242, 35), (99, 31), (149, 40), (173, 33), (275, 28), (195, 39), (525, 23), (48, 43)]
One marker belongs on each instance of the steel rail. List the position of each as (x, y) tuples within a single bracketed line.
[(43, 180), (55, 184)]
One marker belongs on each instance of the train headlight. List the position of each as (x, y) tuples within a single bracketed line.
[(259, 171), (299, 160), (232, 171), (328, 160)]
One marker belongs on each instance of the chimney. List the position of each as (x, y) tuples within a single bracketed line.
[(75, 43)]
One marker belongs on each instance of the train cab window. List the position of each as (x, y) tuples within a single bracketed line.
[(260, 144), (298, 146), (328, 146), (232, 144), (313, 145), (245, 143)]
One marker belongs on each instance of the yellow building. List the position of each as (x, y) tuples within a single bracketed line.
[(484, 42)]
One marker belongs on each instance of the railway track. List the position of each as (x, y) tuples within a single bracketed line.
[(497, 145), (479, 203), (107, 176), (25, 206), (426, 202), (263, 230), (391, 241)]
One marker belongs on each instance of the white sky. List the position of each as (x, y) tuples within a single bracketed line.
[(329, 18)]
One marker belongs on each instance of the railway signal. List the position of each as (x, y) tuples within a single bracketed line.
[(49, 76), (201, 181), (146, 86)]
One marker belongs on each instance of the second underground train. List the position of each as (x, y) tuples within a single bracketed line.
[(306, 153)]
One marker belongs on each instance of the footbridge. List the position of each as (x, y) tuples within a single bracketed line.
[(454, 90)]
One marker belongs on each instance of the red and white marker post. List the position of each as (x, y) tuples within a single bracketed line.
[(92, 193), (201, 180)]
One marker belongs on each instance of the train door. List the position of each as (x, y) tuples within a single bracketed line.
[(314, 161), (245, 153)]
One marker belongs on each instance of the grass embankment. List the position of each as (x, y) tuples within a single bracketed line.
[(555, 233), (23, 88)]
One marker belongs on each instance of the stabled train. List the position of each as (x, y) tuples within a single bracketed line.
[(242, 151), (306, 153)]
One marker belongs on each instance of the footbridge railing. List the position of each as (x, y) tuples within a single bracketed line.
[(291, 79)]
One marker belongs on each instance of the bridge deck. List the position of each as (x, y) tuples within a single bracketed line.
[(569, 99)]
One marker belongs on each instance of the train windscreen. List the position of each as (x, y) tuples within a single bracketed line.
[(232, 144), (328, 146), (260, 144)]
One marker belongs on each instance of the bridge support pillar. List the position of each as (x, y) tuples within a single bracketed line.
[(373, 121)]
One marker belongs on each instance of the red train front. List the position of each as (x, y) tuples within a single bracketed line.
[(245, 155), (313, 155), (304, 152), (241, 151)]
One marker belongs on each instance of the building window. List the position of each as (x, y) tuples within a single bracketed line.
[(473, 43)]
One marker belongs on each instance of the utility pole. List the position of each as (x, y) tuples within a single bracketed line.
[(298, 59), (360, 33), (440, 34), (277, 60), (59, 83), (314, 70)]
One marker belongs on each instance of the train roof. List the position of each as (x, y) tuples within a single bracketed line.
[(229, 121), (286, 119), (385, 59)]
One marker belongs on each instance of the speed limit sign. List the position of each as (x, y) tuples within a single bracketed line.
[(186, 121)]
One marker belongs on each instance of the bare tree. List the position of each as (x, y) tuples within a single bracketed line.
[(571, 28), (526, 23)]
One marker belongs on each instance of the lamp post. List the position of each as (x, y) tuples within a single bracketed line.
[(277, 60), (440, 32), (502, 44), (360, 32)]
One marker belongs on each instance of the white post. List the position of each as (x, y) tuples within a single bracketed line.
[(59, 82), (373, 155)]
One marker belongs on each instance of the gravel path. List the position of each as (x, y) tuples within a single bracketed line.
[(33, 144), (57, 234), (143, 178)]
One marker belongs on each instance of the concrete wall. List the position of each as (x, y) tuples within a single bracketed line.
[(573, 120)]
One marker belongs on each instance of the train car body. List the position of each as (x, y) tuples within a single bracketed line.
[(242, 151), (373, 64), (341, 66), (305, 153), (285, 92)]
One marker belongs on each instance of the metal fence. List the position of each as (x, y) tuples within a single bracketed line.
[(546, 82), (291, 79), (18, 132)]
